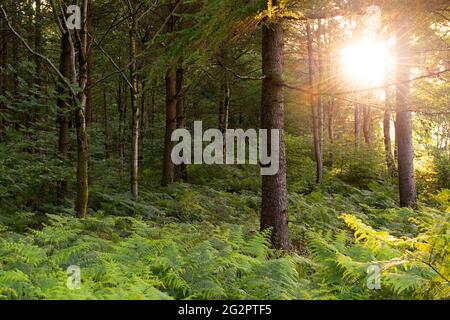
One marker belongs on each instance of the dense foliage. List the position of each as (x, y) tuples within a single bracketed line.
[(199, 237)]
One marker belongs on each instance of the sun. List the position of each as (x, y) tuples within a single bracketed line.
[(366, 63)]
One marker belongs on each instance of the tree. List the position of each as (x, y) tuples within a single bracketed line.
[(63, 103), (403, 126), (134, 90), (274, 208), (82, 196), (387, 133), (171, 109), (317, 124)]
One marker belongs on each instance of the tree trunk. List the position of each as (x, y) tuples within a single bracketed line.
[(15, 51), (3, 76), (331, 107), (181, 170), (357, 125), (274, 208), (89, 57), (105, 123), (171, 125), (81, 201), (121, 133), (403, 127), (224, 106), (38, 41), (367, 121), (315, 106), (387, 134), (320, 116), (152, 112), (135, 109), (63, 109)]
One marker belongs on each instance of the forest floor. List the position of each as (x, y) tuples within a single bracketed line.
[(202, 241)]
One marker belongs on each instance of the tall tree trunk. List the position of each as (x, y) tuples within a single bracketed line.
[(63, 109), (171, 125), (81, 200), (224, 106), (403, 127), (89, 57), (105, 123), (367, 121), (357, 125), (121, 133), (135, 109), (274, 208), (152, 112), (15, 50), (38, 41), (315, 106), (3, 76), (320, 69), (181, 170), (331, 111), (387, 134)]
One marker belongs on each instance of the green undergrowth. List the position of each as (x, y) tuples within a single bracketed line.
[(196, 242)]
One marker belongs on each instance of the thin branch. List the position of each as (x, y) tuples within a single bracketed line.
[(219, 63)]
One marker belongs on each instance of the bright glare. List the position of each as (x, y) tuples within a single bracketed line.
[(367, 63)]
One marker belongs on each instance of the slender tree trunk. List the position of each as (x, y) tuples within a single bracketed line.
[(105, 123), (38, 40), (320, 107), (181, 170), (224, 106), (331, 107), (152, 113), (315, 106), (3, 76), (89, 57), (407, 185), (357, 125), (81, 200), (121, 129), (15, 51), (171, 125), (367, 121), (274, 209), (63, 109), (387, 134), (135, 109)]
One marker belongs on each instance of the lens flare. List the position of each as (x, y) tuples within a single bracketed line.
[(366, 63)]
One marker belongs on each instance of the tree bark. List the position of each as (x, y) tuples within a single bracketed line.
[(135, 109), (224, 106), (38, 40), (3, 76), (367, 121), (121, 129), (89, 57), (105, 123), (357, 125), (407, 187), (63, 109), (331, 111), (15, 50), (274, 208), (81, 200), (181, 170), (171, 125), (387, 134), (315, 106)]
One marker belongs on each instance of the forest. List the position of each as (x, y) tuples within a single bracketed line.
[(224, 150)]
